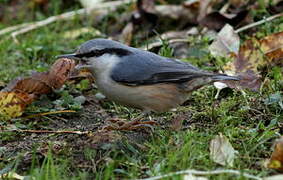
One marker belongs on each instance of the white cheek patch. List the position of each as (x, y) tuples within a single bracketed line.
[(104, 63)]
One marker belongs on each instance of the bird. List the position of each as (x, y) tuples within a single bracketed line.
[(141, 79)]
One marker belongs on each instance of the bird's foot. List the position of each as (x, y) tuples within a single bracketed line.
[(122, 125)]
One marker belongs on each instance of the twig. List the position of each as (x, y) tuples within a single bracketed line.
[(196, 172), (49, 20), (68, 15), (48, 131), (13, 28), (48, 113), (258, 23)]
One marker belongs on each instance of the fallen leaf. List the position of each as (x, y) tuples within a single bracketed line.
[(192, 177), (43, 82), (127, 34), (276, 159), (32, 85), (247, 80), (253, 55), (216, 20), (23, 91), (226, 44), (221, 151), (12, 104), (60, 71)]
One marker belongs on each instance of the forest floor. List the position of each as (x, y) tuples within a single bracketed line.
[(179, 141)]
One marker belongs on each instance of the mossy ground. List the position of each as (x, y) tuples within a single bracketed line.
[(250, 123)]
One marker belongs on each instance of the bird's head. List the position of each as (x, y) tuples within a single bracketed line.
[(99, 54)]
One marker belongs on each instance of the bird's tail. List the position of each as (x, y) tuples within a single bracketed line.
[(205, 79), (224, 77)]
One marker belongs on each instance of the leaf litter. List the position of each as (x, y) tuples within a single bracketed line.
[(23, 91), (221, 151), (250, 58), (245, 62)]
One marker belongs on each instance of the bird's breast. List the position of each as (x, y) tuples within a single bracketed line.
[(158, 97)]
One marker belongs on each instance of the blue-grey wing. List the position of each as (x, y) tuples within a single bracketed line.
[(142, 67)]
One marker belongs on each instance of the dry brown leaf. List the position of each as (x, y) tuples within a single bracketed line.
[(36, 84), (60, 71), (276, 159), (22, 91), (43, 82), (216, 20), (254, 54)]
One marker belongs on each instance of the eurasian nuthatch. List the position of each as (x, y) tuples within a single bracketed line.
[(141, 79)]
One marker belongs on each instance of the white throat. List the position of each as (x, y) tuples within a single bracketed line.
[(103, 64)]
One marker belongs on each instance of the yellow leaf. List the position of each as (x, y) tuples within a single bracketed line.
[(12, 104)]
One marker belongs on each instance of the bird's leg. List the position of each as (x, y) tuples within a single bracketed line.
[(134, 124)]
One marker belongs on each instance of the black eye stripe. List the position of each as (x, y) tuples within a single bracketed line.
[(94, 53), (97, 53)]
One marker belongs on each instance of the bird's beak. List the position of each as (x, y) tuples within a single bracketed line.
[(69, 56), (81, 65)]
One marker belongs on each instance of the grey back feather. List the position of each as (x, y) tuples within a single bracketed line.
[(143, 67)]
